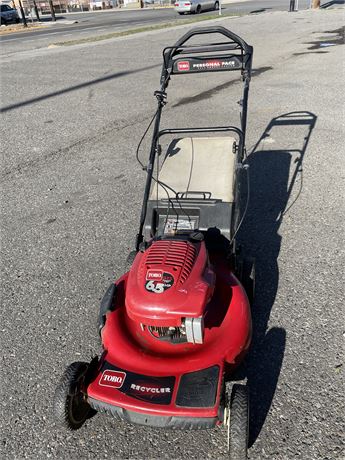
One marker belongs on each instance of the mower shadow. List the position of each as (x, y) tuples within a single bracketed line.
[(273, 175)]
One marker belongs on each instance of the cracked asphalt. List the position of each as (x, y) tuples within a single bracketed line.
[(70, 198)]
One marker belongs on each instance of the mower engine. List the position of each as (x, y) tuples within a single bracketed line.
[(168, 289)]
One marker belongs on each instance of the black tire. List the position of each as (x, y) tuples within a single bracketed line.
[(70, 408), (17, 21), (216, 6), (239, 422), (181, 14), (198, 9)]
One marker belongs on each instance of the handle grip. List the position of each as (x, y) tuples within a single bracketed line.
[(214, 30)]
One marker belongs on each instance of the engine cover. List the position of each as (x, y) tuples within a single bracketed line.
[(170, 281)]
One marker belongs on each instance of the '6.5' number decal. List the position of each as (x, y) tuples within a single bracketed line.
[(155, 287), (157, 281)]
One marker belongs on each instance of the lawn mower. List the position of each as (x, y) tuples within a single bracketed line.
[(175, 327)]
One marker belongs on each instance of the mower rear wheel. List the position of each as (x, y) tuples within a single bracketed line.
[(70, 408), (239, 422)]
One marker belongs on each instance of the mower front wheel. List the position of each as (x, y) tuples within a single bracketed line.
[(238, 428), (70, 407)]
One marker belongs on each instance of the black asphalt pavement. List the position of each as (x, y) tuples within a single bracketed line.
[(71, 192)]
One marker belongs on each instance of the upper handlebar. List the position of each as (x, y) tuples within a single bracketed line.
[(212, 30), (239, 59)]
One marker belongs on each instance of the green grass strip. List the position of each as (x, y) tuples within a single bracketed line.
[(123, 33)]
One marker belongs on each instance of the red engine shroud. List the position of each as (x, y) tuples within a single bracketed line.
[(171, 280), (130, 351)]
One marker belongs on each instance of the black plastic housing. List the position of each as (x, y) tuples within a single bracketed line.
[(202, 214), (172, 422)]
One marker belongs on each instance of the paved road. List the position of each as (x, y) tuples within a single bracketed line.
[(71, 193), (111, 21)]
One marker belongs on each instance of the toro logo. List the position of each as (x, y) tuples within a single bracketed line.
[(112, 379), (158, 281), (154, 275), (183, 66)]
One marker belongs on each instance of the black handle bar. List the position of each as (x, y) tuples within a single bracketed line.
[(239, 59), (214, 30), (211, 47)]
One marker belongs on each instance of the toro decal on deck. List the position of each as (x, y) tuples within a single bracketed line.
[(158, 281), (157, 390), (112, 379)]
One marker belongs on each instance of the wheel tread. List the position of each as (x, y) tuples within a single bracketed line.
[(239, 406), (62, 395)]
